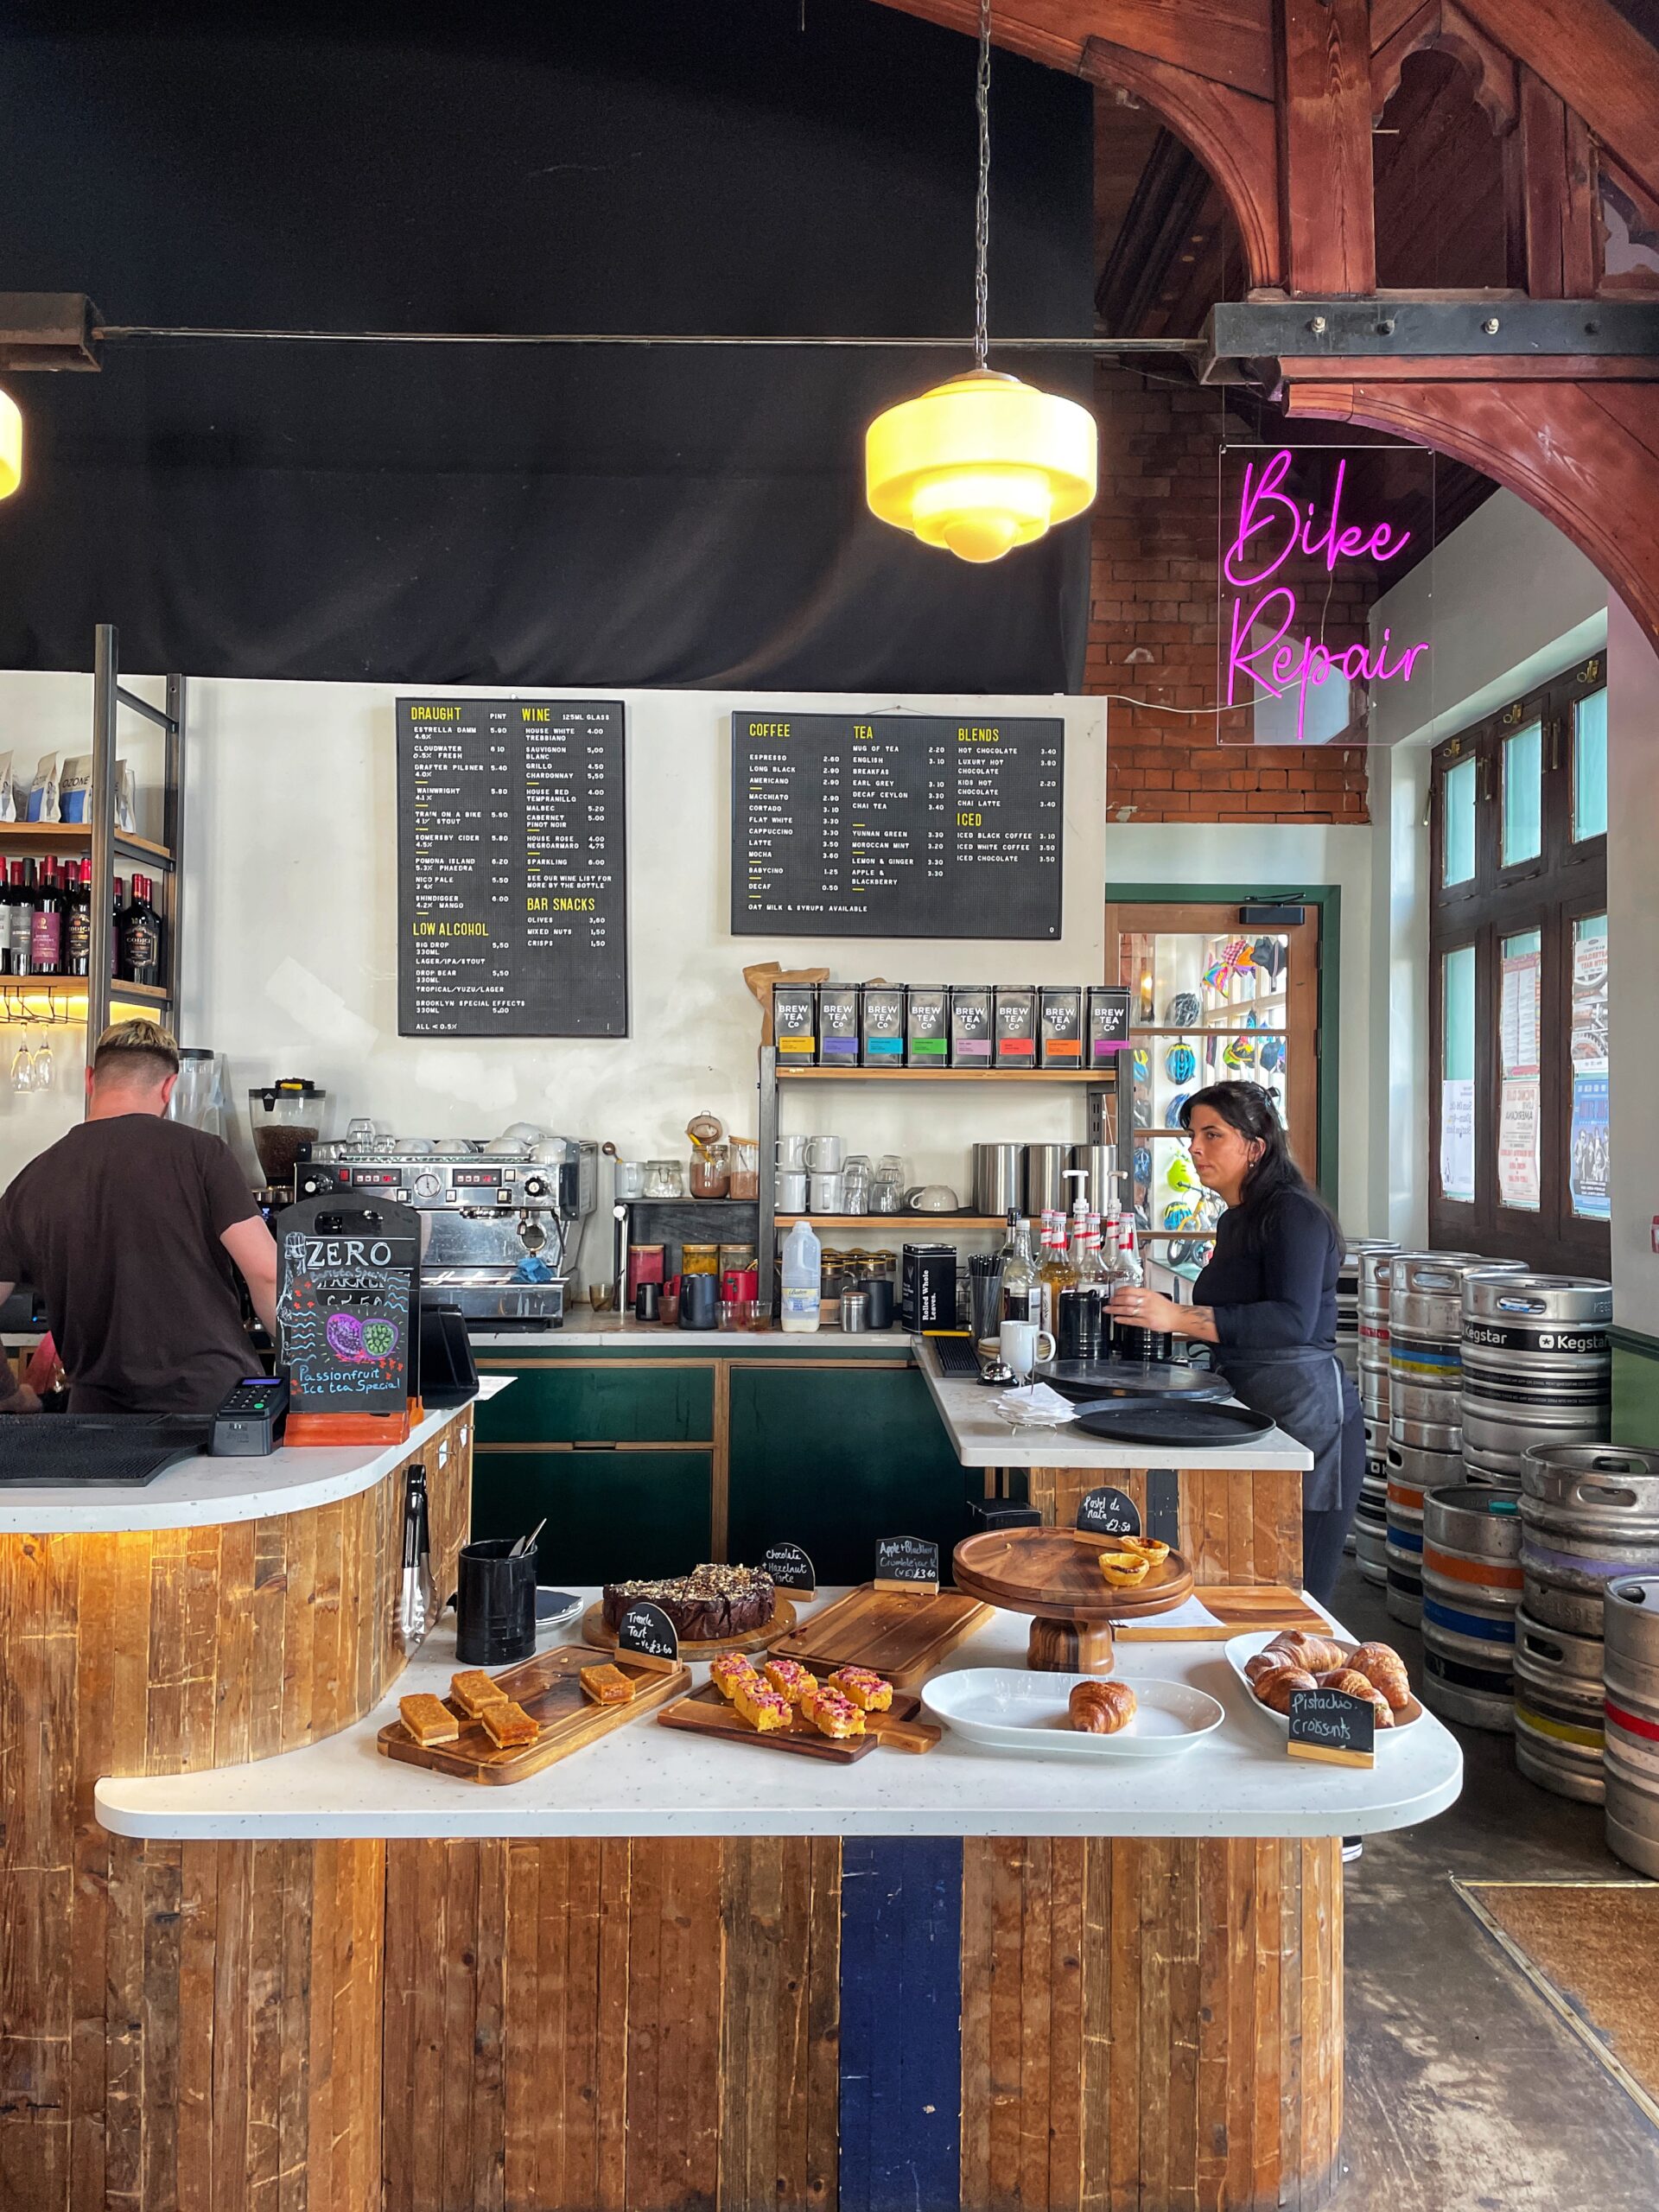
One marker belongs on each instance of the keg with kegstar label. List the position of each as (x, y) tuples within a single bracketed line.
[(1537, 1366), (1589, 1515), (1471, 1587), (1425, 1346), (1631, 1757)]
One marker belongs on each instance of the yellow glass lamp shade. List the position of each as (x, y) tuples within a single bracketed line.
[(11, 446), (979, 465)]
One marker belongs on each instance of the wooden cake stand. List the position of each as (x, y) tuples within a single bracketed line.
[(1054, 1575)]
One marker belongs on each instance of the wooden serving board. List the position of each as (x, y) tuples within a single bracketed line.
[(1237, 1607), (549, 1688), (902, 1636), (1048, 1572), (708, 1713), (594, 1631)]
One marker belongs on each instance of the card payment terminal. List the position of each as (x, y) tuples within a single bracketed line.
[(250, 1422)]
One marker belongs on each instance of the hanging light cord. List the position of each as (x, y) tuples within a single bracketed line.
[(982, 197)]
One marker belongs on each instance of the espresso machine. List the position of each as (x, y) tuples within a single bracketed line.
[(501, 1225)]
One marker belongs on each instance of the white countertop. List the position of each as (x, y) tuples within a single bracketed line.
[(204, 1491), (981, 1438), (645, 1779), (621, 1332)]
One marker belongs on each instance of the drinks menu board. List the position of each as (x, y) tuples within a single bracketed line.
[(512, 916), (896, 825)]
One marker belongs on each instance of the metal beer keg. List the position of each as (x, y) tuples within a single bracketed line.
[(1559, 1728), (1471, 1587), (1376, 1283), (1589, 1514), (1426, 1347), (1630, 1758), (1537, 1366)]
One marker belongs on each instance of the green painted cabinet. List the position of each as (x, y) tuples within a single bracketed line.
[(610, 1514), (833, 1458), (614, 1400)]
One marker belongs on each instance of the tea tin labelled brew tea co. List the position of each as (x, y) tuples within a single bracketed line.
[(881, 1026), (927, 1011), (1015, 1032), (794, 1008), (1108, 1022), (838, 1025), (970, 1025), (1060, 1021)]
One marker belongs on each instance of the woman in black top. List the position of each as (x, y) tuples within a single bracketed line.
[(1267, 1302)]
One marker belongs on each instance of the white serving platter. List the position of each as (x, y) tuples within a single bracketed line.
[(1016, 1709), (1238, 1649)]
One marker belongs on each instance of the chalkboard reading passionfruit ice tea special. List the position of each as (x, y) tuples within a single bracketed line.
[(896, 825), (343, 1304), (512, 902)]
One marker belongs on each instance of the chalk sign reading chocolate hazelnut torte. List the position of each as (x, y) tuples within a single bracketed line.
[(789, 1569), (906, 1563)]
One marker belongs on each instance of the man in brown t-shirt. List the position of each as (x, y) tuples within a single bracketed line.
[(129, 1227)]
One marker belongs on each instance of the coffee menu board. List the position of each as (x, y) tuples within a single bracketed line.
[(896, 825), (512, 914)]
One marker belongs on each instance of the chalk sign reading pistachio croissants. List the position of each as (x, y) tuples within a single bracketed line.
[(1326, 1723)]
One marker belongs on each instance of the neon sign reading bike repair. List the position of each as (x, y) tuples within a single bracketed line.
[(1271, 528)]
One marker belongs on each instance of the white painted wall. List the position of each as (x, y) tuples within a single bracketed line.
[(290, 932), (1633, 964), (1305, 856)]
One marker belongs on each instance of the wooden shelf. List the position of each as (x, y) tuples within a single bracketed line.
[(894, 1220), (75, 987), (949, 1075), (76, 838)]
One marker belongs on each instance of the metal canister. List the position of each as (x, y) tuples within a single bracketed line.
[(999, 1182), (1099, 1163), (855, 1312), (1425, 1347), (1537, 1366), (1590, 1515), (1045, 1176), (1631, 1757), (1559, 1728)]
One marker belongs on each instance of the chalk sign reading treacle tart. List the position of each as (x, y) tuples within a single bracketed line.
[(512, 900), (647, 1634)]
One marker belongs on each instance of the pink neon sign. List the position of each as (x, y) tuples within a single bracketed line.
[(1273, 527)]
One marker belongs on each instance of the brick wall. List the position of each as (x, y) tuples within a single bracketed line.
[(1153, 592)]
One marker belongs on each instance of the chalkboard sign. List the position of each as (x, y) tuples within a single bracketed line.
[(646, 1633), (896, 825), (1331, 1726), (1107, 1512), (347, 1285), (512, 903), (906, 1562), (790, 1568)]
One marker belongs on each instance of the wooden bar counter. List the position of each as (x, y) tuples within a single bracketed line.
[(182, 2024)]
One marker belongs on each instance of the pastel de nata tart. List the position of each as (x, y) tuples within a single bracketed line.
[(1123, 1569), (1145, 1547), (730, 1669), (864, 1687), (759, 1704)]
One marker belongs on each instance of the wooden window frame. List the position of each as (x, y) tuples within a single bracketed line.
[(1564, 885)]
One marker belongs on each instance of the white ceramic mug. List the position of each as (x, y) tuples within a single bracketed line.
[(829, 1192), (1022, 1345), (825, 1154), (791, 1153), (792, 1192), (630, 1179)]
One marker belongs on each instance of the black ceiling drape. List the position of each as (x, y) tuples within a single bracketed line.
[(521, 515)]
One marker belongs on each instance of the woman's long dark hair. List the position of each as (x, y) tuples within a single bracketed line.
[(1249, 1108)]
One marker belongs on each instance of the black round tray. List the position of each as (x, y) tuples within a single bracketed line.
[(1178, 1424), (1087, 1381)]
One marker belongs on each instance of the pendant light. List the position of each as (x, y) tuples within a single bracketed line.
[(982, 463), (11, 446)]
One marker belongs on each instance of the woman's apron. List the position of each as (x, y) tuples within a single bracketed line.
[(1311, 1398)]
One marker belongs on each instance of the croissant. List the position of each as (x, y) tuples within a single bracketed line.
[(1352, 1683), (1274, 1688), (1316, 1653), (1261, 1663), (1389, 1678), (1363, 1654), (1100, 1708)]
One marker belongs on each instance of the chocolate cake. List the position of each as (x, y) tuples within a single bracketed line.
[(708, 1603)]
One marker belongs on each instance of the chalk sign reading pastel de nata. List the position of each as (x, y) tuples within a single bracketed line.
[(1108, 1512), (1282, 555)]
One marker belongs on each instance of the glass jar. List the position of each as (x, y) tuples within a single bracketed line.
[(887, 1185), (711, 1172), (699, 1259), (663, 1180), (282, 1117), (745, 1168)]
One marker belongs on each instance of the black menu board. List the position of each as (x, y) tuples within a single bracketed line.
[(512, 906), (346, 1304), (896, 825)]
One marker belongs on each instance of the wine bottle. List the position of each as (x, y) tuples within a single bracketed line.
[(46, 926), (20, 918), (78, 922), (141, 938)]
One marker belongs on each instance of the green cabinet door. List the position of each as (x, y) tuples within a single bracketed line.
[(610, 1514), (834, 1457), (620, 1400)]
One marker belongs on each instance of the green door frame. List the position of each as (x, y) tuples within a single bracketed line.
[(1327, 896)]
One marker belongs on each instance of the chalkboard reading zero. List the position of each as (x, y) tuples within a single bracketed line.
[(511, 869), (896, 825)]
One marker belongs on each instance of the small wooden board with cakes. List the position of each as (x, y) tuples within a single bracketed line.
[(498, 1728), (904, 1634), (782, 1705)]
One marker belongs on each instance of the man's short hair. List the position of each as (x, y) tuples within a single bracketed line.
[(136, 1052)]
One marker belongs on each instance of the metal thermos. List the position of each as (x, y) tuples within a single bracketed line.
[(1100, 1161), (1046, 1166), (998, 1185)]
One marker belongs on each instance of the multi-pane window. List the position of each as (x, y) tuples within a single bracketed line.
[(1518, 943)]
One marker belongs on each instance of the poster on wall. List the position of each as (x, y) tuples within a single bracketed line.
[(1517, 1018), (1517, 1143), (1457, 1141), (1589, 1037), (1587, 1167)]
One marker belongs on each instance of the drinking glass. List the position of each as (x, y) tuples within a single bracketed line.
[(22, 1069), (43, 1069)]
